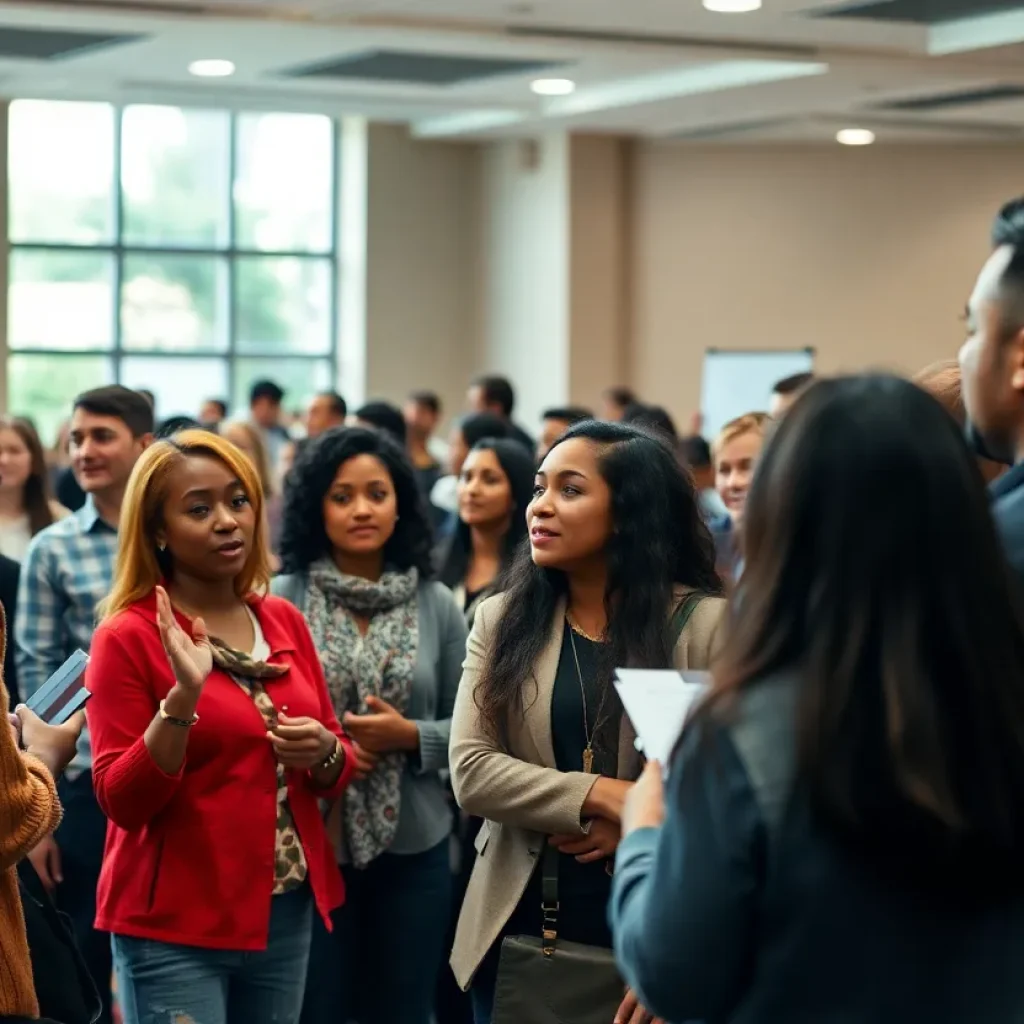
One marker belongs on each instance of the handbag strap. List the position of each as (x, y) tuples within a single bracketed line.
[(549, 900), (681, 616)]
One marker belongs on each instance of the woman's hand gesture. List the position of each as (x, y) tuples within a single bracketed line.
[(191, 658)]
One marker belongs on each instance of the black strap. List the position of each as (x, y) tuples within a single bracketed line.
[(549, 899)]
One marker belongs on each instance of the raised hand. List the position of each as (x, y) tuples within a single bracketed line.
[(191, 658)]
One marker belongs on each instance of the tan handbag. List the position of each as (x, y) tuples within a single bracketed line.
[(544, 981)]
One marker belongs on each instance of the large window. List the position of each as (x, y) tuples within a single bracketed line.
[(185, 251)]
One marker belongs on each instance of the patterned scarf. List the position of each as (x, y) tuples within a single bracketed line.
[(381, 664), (290, 868)]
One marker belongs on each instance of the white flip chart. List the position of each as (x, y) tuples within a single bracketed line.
[(657, 703)]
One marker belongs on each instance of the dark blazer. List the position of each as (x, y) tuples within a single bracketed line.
[(740, 910), (10, 571), (1008, 511)]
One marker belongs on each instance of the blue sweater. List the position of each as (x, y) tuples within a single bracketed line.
[(739, 910)]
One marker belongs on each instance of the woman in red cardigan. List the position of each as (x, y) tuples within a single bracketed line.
[(213, 739)]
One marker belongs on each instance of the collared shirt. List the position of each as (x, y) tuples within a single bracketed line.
[(67, 571)]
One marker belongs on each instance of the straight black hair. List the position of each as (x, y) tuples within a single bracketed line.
[(518, 467)]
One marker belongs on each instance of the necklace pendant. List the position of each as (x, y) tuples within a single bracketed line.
[(588, 759)]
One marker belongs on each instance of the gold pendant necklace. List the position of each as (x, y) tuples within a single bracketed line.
[(588, 735)]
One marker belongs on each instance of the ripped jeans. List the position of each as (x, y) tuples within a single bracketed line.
[(163, 983)]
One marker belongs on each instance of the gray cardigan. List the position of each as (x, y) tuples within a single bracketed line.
[(425, 817)]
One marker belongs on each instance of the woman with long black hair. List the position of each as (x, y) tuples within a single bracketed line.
[(495, 488), (540, 745), (844, 821)]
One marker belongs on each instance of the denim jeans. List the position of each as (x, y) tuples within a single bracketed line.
[(165, 983), (380, 964)]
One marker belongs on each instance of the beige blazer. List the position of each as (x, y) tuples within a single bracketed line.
[(519, 792)]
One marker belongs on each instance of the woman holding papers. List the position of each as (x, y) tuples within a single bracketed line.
[(619, 572), (844, 820)]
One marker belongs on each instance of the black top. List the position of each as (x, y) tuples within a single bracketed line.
[(9, 574), (583, 889)]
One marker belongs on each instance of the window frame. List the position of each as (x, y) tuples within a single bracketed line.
[(119, 251)]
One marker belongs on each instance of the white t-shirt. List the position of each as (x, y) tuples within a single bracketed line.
[(15, 534), (260, 648)]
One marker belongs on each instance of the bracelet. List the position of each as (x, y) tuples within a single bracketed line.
[(332, 759), (181, 723)]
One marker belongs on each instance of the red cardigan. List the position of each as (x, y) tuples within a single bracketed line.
[(189, 857)]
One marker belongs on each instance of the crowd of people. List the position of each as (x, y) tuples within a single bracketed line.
[(353, 751)]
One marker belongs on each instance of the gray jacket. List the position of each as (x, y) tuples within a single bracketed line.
[(425, 817)]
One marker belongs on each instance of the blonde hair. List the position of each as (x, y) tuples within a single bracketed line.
[(748, 423), (139, 568), (259, 457)]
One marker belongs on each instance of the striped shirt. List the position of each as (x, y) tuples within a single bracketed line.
[(67, 571)]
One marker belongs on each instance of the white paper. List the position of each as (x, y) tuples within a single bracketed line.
[(657, 703)]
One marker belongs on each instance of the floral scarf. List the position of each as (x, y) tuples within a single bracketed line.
[(290, 867), (381, 664)]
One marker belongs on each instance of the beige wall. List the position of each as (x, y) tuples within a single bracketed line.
[(421, 253), (866, 255), (599, 264)]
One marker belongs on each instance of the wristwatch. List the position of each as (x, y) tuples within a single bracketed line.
[(334, 757)]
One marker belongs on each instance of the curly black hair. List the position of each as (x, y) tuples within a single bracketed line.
[(304, 538)]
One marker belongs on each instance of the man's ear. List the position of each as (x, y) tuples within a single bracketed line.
[(146, 440)]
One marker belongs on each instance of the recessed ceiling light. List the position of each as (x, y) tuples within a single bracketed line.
[(211, 68), (553, 86), (855, 136), (732, 6)]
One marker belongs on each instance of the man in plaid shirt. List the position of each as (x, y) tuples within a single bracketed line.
[(67, 571)]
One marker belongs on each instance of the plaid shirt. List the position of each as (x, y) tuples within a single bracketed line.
[(67, 571)]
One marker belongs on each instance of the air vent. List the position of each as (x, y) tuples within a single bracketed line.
[(416, 68), (728, 131), (918, 12), (572, 35), (964, 98), (47, 44)]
